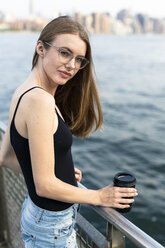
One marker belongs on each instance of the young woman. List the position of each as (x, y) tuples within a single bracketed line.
[(58, 99)]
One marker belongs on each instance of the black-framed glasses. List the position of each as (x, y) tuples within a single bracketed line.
[(66, 56)]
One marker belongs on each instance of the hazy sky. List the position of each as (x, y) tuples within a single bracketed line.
[(49, 8)]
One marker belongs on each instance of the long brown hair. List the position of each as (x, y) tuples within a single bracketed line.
[(78, 99)]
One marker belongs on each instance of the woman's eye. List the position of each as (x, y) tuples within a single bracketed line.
[(64, 53), (79, 59)]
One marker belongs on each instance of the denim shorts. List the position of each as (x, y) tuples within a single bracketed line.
[(41, 228)]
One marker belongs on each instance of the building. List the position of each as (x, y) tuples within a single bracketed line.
[(101, 23), (105, 23), (144, 22), (79, 17), (88, 23), (32, 8), (124, 15)]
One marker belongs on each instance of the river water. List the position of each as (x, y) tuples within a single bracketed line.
[(131, 82)]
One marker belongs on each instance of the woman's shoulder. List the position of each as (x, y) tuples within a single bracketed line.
[(35, 101), (33, 96)]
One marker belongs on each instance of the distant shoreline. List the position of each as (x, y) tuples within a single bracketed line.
[(18, 31), (93, 34)]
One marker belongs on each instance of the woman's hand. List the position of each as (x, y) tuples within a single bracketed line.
[(114, 196), (78, 174)]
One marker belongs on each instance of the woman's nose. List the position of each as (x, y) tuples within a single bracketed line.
[(71, 64)]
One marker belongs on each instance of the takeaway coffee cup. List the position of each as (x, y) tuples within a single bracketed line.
[(126, 180)]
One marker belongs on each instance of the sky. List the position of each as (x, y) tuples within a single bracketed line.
[(49, 8)]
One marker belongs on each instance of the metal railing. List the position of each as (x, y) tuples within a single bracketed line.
[(12, 193)]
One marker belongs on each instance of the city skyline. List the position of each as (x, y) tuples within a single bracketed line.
[(50, 8)]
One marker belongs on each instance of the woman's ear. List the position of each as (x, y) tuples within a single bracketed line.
[(40, 48)]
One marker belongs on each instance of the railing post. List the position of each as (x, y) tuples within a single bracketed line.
[(118, 239), (109, 235), (115, 239)]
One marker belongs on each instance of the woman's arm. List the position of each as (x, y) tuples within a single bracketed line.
[(42, 122), (7, 155)]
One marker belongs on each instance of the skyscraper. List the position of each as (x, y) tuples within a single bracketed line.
[(32, 8)]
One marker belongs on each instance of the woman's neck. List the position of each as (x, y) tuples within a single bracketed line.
[(37, 76)]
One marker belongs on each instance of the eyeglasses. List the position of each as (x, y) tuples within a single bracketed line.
[(66, 56)]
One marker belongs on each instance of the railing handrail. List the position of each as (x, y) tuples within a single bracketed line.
[(132, 232), (3, 127)]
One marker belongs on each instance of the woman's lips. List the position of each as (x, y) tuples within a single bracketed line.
[(65, 74)]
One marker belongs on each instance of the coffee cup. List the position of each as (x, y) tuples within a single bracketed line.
[(126, 180)]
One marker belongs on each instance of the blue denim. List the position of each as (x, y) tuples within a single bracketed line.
[(41, 228)]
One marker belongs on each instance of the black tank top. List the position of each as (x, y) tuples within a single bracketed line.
[(64, 168)]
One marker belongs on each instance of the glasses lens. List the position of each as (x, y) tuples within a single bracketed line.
[(65, 55), (82, 62)]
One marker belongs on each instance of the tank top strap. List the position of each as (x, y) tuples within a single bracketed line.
[(21, 98)]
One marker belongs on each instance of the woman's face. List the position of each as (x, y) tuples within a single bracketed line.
[(55, 70)]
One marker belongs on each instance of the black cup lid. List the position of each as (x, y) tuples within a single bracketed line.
[(124, 178)]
